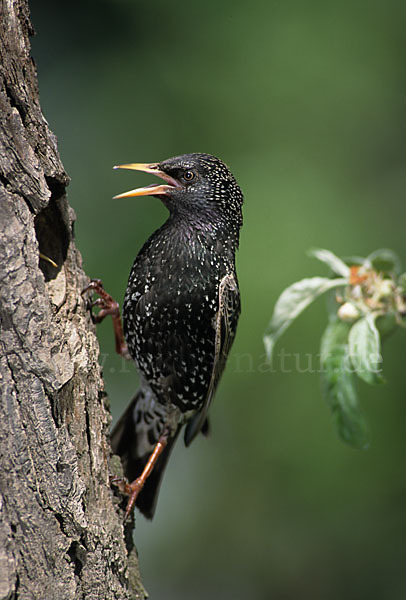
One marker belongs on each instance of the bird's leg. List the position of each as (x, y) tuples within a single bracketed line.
[(133, 489), (108, 306)]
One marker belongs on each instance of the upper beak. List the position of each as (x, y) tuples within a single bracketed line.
[(149, 190)]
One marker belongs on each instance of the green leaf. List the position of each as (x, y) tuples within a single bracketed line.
[(384, 261), (334, 262), (335, 334), (338, 385), (354, 260), (292, 302), (402, 282), (365, 349), (386, 325)]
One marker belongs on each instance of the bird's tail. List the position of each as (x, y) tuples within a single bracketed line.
[(134, 438)]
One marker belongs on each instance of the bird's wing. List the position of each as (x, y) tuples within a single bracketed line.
[(228, 310)]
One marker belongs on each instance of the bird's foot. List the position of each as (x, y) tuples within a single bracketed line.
[(108, 307), (129, 489), (106, 303), (133, 489)]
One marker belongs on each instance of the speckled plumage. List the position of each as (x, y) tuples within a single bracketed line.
[(180, 312)]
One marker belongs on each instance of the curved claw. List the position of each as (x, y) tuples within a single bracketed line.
[(97, 302), (108, 306), (133, 489), (129, 489), (94, 284)]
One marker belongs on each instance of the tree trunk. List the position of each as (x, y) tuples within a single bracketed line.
[(61, 536)]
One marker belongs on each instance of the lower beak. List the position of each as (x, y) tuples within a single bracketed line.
[(149, 190)]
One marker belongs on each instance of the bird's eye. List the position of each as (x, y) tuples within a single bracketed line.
[(188, 175)]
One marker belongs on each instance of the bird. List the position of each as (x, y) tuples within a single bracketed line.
[(179, 316)]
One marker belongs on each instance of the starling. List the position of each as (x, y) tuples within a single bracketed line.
[(180, 315)]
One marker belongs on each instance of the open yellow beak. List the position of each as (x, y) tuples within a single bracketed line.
[(149, 190)]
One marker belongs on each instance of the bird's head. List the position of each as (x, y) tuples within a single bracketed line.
[(196, 185)]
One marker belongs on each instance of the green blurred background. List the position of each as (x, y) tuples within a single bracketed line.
[(306, 103)]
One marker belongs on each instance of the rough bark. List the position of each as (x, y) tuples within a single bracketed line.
[(61, 536)]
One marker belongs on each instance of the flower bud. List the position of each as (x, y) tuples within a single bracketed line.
[(385, 288), (348, 312)]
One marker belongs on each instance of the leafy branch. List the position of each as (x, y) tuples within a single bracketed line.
[(369, 303)]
